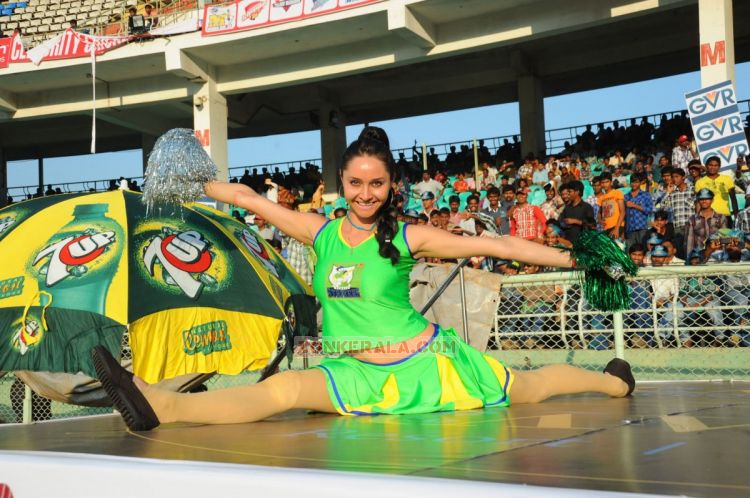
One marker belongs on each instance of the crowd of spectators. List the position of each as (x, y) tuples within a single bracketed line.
[(658, 200)]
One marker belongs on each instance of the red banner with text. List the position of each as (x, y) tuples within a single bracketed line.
[(5, 52), (252, 14)]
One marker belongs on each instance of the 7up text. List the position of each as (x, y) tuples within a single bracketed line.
[(181, 255), (70, 255)]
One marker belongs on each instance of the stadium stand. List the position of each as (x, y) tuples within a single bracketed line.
[(40, 20)]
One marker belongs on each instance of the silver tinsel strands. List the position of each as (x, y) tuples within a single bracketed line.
[(178, 168)]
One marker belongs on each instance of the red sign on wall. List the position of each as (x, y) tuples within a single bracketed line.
[(5, 52), (710, 56), (204, 137)]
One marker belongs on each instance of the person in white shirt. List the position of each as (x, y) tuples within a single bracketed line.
[(272, 191), (682, 154), (428, 184)]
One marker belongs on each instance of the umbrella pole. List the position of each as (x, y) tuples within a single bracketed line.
[(443, 286)]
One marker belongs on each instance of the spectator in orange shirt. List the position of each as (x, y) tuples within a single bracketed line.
[(573, 169), (612, 207), (526, 221), (462, 184)]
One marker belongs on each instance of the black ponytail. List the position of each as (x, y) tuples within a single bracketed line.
[(373, 141), (387, 229)]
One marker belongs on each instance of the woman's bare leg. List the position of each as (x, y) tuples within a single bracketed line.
[(537, 385), (280, 392)]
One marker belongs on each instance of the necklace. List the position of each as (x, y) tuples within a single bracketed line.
[(358, 227)]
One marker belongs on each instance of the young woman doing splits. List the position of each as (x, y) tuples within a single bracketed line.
[(392, 360)]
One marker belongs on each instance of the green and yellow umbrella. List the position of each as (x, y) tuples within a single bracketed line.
[(197, 290)]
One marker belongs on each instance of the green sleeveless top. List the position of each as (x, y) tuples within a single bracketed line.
[(365, 298)]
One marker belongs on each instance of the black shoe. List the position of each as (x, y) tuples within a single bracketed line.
[(125, 396), (621, 369)]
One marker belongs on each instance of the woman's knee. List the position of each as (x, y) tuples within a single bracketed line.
[(284, 387), (528, 387)]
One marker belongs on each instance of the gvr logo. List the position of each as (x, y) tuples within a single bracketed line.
[(719, 127), (71, 253), (180, 255)]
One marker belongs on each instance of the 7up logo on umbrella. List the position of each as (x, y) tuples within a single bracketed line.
[(181, 255), (78, 263), (71, 255)]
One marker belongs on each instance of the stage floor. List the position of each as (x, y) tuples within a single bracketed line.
[(689, 438)]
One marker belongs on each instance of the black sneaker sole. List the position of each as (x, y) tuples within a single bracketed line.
[(126, 398), (621, 369)]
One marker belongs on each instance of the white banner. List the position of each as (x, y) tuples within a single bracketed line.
[(717, 124)]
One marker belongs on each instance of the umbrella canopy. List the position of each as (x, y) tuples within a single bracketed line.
[(197, 290)]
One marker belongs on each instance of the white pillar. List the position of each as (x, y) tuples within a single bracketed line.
[(716, 41), (332, 144), (531, 113), (210, 122)]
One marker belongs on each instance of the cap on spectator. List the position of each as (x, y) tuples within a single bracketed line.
[(524, 191), (654, 240), (683, 138), (428, 195), (411, 213), (745, 167), (501, 262), (659, 252), (714, 236), (704, 193), (697, 166)]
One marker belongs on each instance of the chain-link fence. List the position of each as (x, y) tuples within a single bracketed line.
[(684, 322)]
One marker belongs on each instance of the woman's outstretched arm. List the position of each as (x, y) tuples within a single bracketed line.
[(429, 242), (301, 226)]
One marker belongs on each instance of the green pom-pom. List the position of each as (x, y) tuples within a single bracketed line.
[(605, 266)]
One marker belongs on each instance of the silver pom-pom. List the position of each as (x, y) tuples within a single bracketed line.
[(615, 271), (178, 168)]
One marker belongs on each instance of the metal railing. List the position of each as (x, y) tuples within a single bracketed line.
[(555, 138), (165, 13)]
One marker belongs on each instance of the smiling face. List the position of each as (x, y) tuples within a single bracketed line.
[(366, 184)]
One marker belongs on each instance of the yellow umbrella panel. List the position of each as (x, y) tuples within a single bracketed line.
[(200, 292)]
